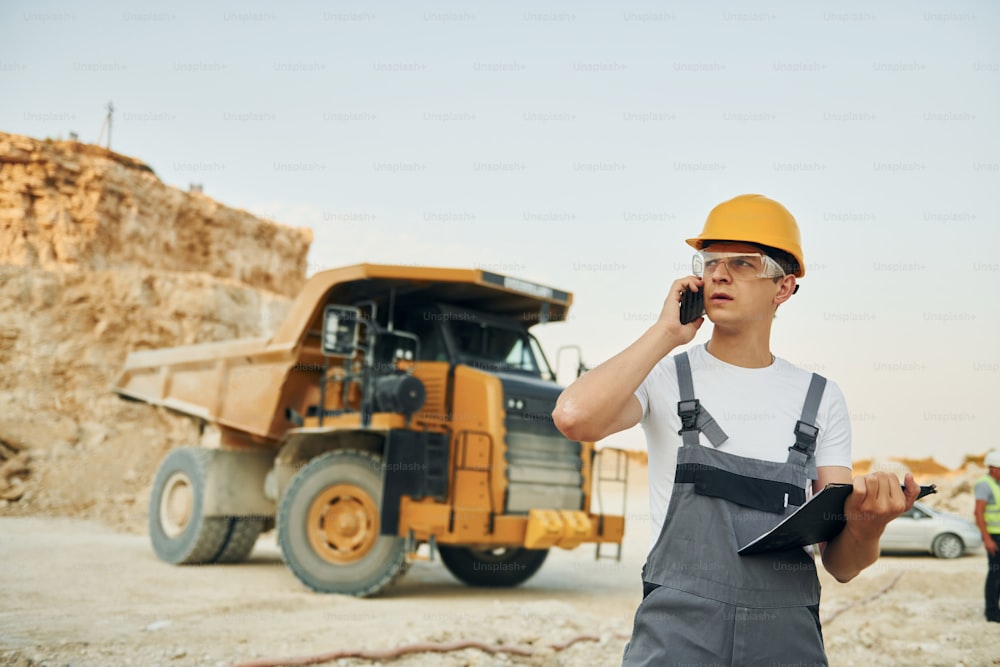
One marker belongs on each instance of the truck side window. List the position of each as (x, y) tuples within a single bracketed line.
[(432, 347)]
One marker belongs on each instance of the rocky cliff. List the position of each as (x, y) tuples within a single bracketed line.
[(71, 205), (98, 258)]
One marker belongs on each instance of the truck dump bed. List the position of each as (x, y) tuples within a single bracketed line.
[(231, 383)]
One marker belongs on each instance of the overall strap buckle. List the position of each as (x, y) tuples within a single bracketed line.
[(695, 420), (688, 412), (805, 437)]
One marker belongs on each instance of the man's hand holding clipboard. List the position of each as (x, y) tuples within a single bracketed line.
[(826, 514)]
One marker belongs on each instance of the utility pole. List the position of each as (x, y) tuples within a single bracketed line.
[(106, 124), (111, 110)]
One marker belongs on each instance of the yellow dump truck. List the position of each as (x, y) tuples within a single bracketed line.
[(395, 406)]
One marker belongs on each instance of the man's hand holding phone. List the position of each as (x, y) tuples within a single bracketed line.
[(682, 332)]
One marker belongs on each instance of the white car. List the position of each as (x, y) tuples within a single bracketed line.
[(925, 530)]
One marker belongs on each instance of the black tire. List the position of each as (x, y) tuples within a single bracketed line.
[(494, 568), (334, 564), (179, 532), (243, 534), (948, 545)]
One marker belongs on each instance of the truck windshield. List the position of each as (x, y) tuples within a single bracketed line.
[(498, 349)]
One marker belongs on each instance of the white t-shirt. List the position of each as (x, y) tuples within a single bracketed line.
[(756, 407)]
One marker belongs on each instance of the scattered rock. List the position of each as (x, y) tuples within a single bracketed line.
[(38, 429)]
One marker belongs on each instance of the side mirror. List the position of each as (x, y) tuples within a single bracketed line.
[(340, 330), (581, 368)]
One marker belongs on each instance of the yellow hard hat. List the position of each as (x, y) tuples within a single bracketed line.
[(753, 219)]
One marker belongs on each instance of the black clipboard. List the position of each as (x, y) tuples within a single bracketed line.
[(819, 519)]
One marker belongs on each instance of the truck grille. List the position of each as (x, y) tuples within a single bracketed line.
[(543, 466)]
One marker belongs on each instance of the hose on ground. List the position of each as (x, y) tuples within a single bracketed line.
[(420, 647)]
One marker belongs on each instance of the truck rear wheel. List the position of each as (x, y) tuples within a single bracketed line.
[(243, 534), (500, 567), (178, 529), (328, 526)]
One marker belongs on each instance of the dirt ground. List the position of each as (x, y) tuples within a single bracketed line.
[(79, 592)]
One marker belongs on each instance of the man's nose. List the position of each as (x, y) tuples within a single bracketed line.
[(724, 276)]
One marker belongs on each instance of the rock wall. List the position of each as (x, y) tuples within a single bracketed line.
[(99, 258)]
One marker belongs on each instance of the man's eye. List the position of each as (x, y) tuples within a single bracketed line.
[(742, 262), (711, 264)]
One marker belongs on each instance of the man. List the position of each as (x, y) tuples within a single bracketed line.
[(733, 447), (988, 520)]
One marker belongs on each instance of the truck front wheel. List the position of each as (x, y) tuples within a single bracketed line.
[(328, 526), (499, 567)]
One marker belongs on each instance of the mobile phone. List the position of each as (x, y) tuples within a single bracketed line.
[(692, 305)]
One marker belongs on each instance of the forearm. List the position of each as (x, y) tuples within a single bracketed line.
[(848, 554), (591, 407)]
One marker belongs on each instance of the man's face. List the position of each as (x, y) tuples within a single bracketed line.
[(728, 299)]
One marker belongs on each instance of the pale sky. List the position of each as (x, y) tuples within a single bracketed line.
[(577, 144)]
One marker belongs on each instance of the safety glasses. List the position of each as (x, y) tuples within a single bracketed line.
[(740, 265)]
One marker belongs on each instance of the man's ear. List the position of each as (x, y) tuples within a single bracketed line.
[(786, 288)]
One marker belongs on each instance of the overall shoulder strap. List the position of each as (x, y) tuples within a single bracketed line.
[(806, 431), (694, 418)]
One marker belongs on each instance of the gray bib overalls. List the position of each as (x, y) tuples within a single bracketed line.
[(703, 604)]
